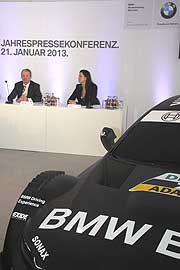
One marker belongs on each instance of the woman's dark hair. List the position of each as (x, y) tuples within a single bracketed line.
[(87, 74), (88, 86)]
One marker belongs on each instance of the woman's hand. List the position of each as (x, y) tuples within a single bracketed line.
[(71, 102)]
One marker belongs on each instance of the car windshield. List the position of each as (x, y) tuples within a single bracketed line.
[(157, 143)]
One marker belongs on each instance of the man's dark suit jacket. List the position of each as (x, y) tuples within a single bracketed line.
[(33, 92), (90, 97)]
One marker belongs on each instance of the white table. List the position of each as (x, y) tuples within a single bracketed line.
[(77, 131), (56, 129), (22, 127)]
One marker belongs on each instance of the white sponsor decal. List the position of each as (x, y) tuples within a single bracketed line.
[(40, 247), (175, 102), (173, 177), (57, 219), (162, 116), (31, 201), (20, 216)]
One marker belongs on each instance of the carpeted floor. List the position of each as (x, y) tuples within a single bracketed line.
[(17, 168)]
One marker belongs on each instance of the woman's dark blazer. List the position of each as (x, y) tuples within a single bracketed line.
[(90, 97)]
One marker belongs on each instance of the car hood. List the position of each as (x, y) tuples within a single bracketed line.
[(100, 226)]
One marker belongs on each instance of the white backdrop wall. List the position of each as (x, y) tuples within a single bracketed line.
[(150, 68), (66, 20), (143, 71)]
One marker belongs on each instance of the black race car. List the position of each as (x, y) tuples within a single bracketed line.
[(121, 213)]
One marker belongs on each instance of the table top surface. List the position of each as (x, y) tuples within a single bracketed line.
[(95, 108)]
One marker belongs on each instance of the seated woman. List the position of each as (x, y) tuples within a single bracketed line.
[(85, 93)]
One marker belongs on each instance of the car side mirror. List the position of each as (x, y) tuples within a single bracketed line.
[(107, 138)]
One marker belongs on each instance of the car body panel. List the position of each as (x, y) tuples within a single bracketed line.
[(120, 213)]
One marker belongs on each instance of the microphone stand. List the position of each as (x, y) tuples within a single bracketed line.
[(7, 87)]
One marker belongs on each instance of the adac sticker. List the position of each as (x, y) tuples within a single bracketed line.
[(167, 184)]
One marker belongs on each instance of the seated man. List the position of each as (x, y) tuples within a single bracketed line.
[(25, 89)]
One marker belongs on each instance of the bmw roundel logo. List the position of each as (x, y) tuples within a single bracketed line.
[(171, 116), (168, 10)]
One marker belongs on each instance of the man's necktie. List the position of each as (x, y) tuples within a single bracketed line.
[(24, 89)]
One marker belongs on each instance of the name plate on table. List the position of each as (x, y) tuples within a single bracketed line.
[(76, 106), (26, 103)]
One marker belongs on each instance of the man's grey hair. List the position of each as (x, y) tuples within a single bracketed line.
[(28, 70)]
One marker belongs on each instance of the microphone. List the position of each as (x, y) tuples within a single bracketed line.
[(7, 87)]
